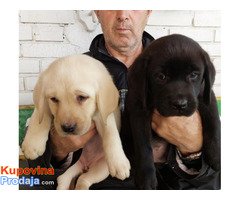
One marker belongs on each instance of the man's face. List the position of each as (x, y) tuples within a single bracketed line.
[(122, 29)]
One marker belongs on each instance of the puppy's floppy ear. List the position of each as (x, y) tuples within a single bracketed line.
[(137, 79), (209, 77), (40, 100), (107, 98)]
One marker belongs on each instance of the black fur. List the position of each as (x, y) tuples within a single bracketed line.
[(175, 76)]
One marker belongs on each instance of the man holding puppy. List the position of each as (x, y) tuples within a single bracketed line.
[(123, 39)]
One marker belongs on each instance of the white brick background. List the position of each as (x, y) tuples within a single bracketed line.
[(47, 35)]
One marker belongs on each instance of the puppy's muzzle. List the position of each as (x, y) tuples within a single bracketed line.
[(69, 128), (179, 104)]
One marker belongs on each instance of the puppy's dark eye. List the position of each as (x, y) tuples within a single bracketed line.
[(54, 100), (193, 75), (161, 76), (81, 98)]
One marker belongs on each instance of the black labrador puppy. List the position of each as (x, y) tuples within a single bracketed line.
[(175, 76)]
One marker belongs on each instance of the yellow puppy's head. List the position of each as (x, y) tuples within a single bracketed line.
[(72, 89)]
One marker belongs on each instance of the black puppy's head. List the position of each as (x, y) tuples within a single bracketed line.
[(171, 74)]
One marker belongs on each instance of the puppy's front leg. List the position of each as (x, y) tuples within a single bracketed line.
[(117, 161), (145, 173), (34, 143)]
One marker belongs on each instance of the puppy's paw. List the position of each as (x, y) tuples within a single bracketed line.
[(63, 182), (82, 185), (33, 148), (119, 165), (146, 179)]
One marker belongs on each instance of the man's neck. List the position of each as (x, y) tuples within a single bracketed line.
[(127, 57)]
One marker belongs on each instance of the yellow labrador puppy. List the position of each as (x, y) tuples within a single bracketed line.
[(72, 92)]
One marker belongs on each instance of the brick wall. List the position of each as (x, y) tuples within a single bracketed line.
[(47, 35)]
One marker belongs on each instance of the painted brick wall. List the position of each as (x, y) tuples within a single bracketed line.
[(47, 35)]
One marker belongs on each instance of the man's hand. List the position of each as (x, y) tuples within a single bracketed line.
[(183, 132), (61, 146)]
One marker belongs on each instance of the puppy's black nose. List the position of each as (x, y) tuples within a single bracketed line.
[(69, 128), (180, 104)]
